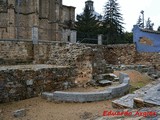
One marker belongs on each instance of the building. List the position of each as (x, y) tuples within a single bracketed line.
[(146, 40), (90, 5), (40, 19)]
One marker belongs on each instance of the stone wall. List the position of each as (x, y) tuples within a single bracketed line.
[(84, 57), (26, 81), (16, 52), (108, 93), (83, 62), (61, 54)]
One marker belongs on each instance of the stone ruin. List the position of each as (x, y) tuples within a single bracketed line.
[(107, 93), (27, 70)]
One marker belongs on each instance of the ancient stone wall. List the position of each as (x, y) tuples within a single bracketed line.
[(66, 54), (59, 53), (82, 63), (26, 81)]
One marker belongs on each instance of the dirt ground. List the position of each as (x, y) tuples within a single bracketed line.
[(40, 109), (137, 80)]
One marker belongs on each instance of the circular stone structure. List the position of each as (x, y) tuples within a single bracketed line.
[(109, 93)]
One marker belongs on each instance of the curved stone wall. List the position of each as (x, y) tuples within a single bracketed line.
[(109, 93)]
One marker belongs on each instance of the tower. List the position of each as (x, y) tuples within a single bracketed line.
[(89, 3)]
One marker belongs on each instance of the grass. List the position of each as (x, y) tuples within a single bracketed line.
[(137, 80)]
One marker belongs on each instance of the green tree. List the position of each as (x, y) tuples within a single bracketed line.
[(149, 25), (139, 22), (113, 22), (87, 24), (128, 37), (158, 28)]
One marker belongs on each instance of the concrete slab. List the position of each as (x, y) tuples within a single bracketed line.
[(124, 102), (147, 96), (151, 97)]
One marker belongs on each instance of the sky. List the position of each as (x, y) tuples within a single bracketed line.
[(129, 8)]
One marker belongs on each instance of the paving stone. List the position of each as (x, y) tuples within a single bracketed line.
[(150, 97), (124, 102)]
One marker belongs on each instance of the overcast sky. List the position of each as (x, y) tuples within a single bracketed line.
[(129, 8)]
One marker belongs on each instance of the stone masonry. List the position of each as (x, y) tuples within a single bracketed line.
[(25, 81), (84, 62), (54, 20)]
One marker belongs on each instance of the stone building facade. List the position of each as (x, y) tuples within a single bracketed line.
[(50, 19)]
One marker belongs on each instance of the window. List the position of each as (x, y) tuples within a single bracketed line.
[(69, 39)]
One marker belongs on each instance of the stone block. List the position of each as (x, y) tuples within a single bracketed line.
[(104, 82), (124, 102), (19, 113), (109, 93), (29, 82), (122, 76)]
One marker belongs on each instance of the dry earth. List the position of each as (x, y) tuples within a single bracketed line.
[(40, 109)]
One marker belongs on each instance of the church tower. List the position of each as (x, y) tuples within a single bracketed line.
[(89, 3)]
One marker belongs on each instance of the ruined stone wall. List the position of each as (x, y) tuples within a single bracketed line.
[(66, 54), (148, 59), (26, 81), (59, 53), (89, 60), (127, 54), (82, 63)]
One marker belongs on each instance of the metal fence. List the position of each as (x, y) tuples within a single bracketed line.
[(105, 41), (87, 40)]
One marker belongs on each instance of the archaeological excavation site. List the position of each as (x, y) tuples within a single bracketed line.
[(46, 73)]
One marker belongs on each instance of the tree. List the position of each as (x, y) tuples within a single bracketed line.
[(139, 22), (149, 25), (128, 37), (87, 24), (113, 22), (158, 28)]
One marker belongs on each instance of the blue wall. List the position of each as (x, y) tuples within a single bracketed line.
[(154, 37)]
